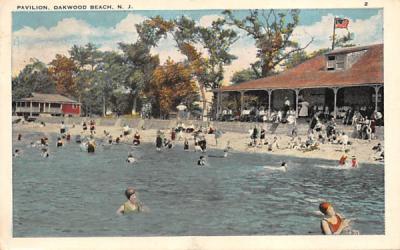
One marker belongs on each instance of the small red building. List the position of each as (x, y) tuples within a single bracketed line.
[(46, 104)]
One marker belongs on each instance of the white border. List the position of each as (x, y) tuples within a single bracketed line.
[(390, 240)]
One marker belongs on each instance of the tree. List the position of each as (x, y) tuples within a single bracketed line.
[(344, 41), (139, 67), (272, 33), (208, 67), (35, 77), (172, 84), (62, 70), (243, 76)]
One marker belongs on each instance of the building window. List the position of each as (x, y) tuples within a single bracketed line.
[(340, 60), (331, 63), (335, 62)]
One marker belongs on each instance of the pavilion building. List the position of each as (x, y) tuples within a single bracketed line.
[(339, 79), (46, 104)]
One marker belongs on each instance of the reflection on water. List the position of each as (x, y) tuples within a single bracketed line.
[(76, 194)]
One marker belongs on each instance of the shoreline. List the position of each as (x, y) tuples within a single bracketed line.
[(362, 149)]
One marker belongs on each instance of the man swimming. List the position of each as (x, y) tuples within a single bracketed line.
[(201, 161), (130, 159)]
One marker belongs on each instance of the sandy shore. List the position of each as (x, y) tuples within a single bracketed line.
[(362, 149)]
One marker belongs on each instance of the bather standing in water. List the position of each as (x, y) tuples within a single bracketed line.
[(333, 223), (159, 142), (132, 204)]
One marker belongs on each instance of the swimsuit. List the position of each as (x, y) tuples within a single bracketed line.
[(333, 227), (128, 207)]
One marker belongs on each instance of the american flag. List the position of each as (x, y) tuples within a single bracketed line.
[(341, 23)]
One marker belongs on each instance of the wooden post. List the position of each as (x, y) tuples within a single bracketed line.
[(269, 102), (297, 102), (241, 101), (218, 104), (376, 87), (335, 90)]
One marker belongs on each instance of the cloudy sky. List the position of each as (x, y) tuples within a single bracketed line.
[(42, 35)]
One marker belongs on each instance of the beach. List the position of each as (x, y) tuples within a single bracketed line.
[(239, 141)]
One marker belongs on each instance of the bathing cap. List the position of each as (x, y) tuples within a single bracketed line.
[(323, 207)]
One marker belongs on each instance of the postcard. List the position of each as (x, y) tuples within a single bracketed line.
[(199, 125)]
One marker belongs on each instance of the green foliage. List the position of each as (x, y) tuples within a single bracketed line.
[(272, 33), (35, 77), (243, 76)]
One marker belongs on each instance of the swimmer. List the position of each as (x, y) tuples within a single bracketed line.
[(284, 166), (136, 138), (45, 153), (354, 162), (333, 223), (62, 128), (43, 141), (130, 159), (68, 137), (117, 140), (91, 146), (59, 142), (343, 158), (19, 137), (16, 153), (132, 204), (227, 148), (186, 145), (158, 142), (201, 161), (78, 139)]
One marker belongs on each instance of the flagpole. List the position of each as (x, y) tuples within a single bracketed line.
[(333, 37)]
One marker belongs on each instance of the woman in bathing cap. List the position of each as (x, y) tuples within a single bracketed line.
[(132, 204), (333, 223)]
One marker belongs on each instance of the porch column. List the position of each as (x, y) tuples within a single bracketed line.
[(241, 101), (31, 109), (269, 102), (218, 104), (297, 102), (376, 87), (335, 90)]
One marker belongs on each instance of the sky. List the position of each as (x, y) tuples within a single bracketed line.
[(42, 35)]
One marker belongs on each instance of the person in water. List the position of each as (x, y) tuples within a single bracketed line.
[(62, 128), (132, 204), (136, 138), (130, 159), (16, 153), (343, 158), (227, 148), (45, 153), (332, 223), (159, 142), (284, 166), (19, 137), (201, 161), (354, 162), (91, 146), (59, 142), (186, 145)]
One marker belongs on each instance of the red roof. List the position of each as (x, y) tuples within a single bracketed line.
[(368, 69)]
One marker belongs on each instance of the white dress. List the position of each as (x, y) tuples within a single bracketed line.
[(304, 109)]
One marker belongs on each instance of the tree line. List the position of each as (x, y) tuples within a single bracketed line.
[(132, 78)]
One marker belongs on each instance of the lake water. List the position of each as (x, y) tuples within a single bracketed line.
[(73, 193)]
